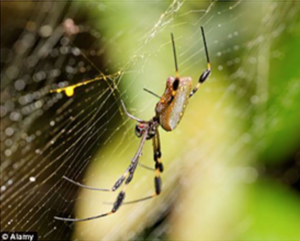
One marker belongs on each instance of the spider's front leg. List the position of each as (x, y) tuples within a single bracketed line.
[(204, 76)]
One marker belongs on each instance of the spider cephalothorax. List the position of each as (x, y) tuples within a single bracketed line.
[(150, 127)]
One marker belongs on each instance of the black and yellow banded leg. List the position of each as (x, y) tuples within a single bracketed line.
[(158, 189), (157, 183), (204, 76), (115, 207), (157, 152), (158, 170), (121, 195), (128, 177), (158, 163)]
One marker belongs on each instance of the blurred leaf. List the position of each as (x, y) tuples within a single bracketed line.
[(273, 212)]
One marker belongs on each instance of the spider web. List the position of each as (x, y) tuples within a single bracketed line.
[(116, 49)]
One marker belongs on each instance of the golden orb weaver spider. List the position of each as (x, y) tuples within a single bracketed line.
[(168, 113)]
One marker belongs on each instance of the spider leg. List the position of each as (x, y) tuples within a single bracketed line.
[(204, 76), (158, 190), (158, 169), (84, 186), (152, 93), (117, 184), (130, 115), (82, 219), (121, 195), (157, 152)]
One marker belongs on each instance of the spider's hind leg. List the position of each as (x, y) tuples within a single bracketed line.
[(119, 200), (117, 184)]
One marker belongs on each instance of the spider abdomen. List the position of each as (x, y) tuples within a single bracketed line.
[(171, 107)]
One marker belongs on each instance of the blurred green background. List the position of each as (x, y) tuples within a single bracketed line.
[(232, 166)]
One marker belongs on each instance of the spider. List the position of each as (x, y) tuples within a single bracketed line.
[(168, 113)]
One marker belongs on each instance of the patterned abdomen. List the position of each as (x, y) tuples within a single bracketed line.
[(171, 107)]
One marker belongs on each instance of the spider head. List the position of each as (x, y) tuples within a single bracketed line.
[(140, 129)]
